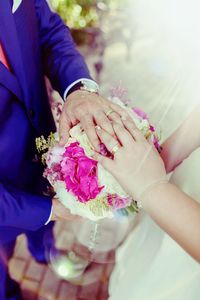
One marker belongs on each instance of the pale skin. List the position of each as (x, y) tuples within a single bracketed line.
[(89, 109), (174, 211), (182, 142), (60, 212)]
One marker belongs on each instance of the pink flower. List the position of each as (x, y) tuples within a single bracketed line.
[(118, 91), (54, 156), (152, 128), (53, 161), (157, 144), (54, 173), (80, 173), (117, 202), (140, 113)]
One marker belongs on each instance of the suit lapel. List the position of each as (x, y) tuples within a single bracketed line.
[(9, 40)]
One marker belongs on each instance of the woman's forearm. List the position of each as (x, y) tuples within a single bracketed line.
[(138, 167), (182, 142), (177, 214)]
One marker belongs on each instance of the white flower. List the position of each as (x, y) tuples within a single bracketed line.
[(54, 155)]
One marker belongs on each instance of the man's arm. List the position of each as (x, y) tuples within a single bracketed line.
[(63, 64), (27, 211), (23, 210)]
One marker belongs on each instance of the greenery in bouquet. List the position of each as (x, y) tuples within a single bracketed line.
[(80, 14)]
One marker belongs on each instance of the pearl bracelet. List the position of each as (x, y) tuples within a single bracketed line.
[(148, 189)]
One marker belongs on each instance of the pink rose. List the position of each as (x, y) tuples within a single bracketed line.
[(80, 173)]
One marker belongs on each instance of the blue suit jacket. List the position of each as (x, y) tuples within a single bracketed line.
[(36, 43)]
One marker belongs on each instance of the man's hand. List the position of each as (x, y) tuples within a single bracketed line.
[(90, 110), (61, 213)]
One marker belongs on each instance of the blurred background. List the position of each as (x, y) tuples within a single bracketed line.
[(151, 49)]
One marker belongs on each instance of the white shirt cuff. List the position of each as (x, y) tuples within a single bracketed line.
[(75, 82), (49, 219)]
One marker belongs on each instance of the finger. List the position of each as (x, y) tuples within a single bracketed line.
[(73, 119), (73, 218), (103, 121), (89, 127), (104, 161), (133, 130), (120, 111), (64, 127), (108, 140), (123, 134), (115, 117)]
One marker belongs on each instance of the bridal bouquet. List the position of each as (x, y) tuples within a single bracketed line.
[(80, 182)]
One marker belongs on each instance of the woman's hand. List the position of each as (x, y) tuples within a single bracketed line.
[(136, 163)]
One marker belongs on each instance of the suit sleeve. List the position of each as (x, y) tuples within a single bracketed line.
[(23, 210), (62, 62)]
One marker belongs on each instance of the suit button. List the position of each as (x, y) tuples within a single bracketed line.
[(31, 113)]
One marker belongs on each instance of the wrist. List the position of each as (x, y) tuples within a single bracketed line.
[(78, 93), (86, 85), (150, 192)]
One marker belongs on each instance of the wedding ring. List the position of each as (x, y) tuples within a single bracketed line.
[(115, 149), (109, 112)]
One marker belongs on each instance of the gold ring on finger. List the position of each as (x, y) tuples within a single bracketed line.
[(115, 149)]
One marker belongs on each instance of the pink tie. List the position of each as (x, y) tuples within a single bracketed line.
[(3, 58)]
